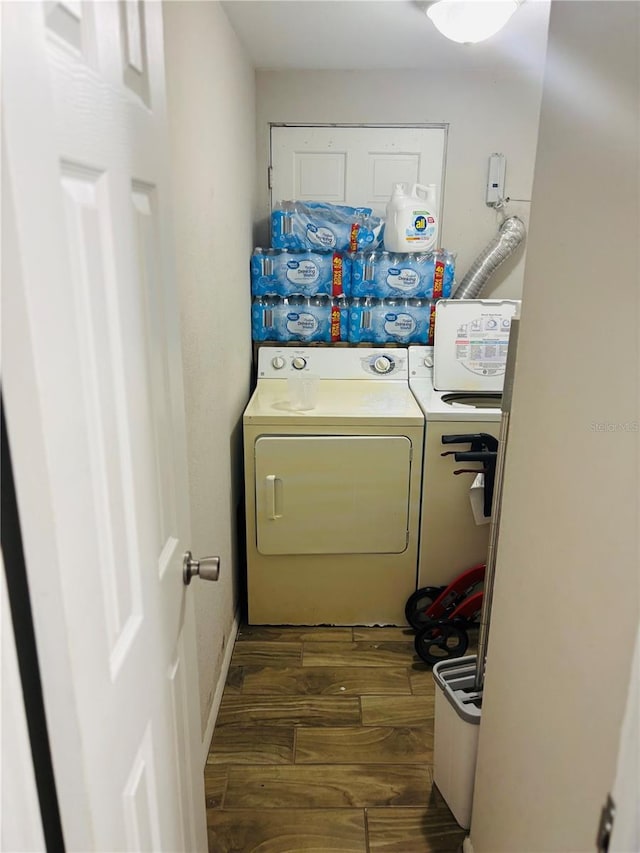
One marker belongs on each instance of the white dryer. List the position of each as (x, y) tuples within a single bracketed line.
[(333, 491), (458, 384)]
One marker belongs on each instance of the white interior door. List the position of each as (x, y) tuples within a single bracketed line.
[(357, 166), (92, 382)]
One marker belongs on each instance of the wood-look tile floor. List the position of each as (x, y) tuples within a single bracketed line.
[(324, 743)]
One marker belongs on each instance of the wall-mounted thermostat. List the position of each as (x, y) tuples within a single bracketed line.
[(495, 179)]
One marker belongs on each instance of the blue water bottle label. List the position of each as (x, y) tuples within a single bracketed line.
[(321, 237), (304, 273), (404, 279)]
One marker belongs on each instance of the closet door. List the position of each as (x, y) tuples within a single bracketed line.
[(357, 166)]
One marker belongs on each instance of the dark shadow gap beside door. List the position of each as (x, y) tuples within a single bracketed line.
[(21, 616)]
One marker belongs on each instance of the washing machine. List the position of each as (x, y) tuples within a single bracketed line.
[(333, 487), (458, 384)]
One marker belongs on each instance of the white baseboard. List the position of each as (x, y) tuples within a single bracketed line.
[(467, 846), (217, 697)]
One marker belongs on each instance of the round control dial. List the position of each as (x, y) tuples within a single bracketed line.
[(299, 363), (383, 364), (428, 361), (277, 362)]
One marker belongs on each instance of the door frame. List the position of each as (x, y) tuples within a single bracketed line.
[(374, 126)]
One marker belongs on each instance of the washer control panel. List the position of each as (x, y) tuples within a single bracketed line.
[(420, 362), (334, 363)]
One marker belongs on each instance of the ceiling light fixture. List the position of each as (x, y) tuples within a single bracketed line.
[(471, 21)]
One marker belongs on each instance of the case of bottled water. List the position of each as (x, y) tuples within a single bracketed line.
[(388, 275), (300, 318), (284, 273), (380, 321), (301, 225)]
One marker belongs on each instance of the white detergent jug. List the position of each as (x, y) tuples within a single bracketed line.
[(411, 224)]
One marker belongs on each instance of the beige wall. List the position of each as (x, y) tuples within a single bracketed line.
[(486, 111), (567, 584), (211, 105)]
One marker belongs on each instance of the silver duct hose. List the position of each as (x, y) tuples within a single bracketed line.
[(511, 234)]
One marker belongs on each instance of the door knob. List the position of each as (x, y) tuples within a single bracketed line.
[(208, 568)]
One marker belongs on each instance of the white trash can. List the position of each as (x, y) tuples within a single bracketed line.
[(456, 727)]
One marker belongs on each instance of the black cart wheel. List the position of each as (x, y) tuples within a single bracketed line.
[(440, 641), (415, 610)]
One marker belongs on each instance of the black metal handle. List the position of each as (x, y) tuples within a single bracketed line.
[(462, 438), (477, 440), (487, 456)]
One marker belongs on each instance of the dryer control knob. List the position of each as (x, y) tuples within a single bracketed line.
[(278, 362), (382, 364), (428, 361), (299, 362)]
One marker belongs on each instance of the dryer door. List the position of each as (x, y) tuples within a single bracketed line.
[(332, 494)]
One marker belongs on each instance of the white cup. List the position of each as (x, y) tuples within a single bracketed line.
[(303, 391)]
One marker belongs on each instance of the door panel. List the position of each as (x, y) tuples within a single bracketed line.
[(320, 176), (85, 199), (304, 507), (357, 166)]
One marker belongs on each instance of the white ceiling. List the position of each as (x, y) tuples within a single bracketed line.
[(375, 34)]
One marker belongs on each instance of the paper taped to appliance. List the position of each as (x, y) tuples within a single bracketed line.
[(476, 496)]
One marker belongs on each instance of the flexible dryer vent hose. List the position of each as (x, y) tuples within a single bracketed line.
[(511, 234)]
